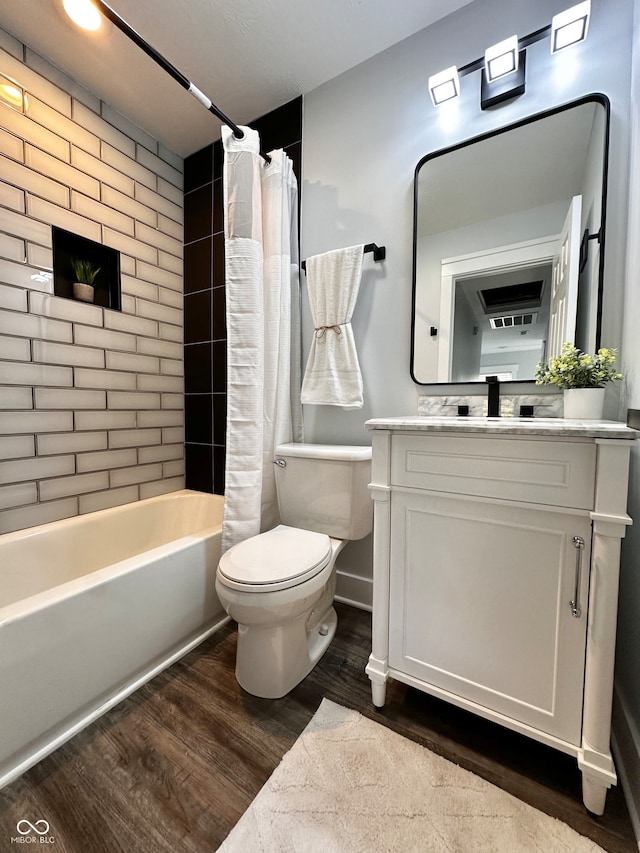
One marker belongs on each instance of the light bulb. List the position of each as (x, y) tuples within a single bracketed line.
[(83, 13)]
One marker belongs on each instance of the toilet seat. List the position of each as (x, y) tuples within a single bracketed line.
[(279, 559)]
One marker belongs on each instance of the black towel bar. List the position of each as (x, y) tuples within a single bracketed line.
[(379, 253)]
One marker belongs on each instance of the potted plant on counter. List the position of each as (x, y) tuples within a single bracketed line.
[(85, 274), (582, 378)]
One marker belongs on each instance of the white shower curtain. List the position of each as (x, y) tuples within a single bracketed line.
[(263, 329)]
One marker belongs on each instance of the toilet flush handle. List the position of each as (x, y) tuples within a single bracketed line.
[(281, 463)]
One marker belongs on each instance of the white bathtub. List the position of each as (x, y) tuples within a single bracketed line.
[(92, 607)]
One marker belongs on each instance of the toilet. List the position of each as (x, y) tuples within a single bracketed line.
[(279, 585)]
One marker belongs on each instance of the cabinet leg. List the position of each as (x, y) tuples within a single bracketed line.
[(594, 794), (378, 693)]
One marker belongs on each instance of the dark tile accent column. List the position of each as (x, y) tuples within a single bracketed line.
[(205, 334)]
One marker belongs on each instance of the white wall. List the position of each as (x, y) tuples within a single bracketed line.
[(364, 133), (627, 711)]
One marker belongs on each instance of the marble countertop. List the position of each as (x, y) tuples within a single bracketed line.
[(507, 426)]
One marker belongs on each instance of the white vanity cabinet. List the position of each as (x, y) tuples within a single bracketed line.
[(496, 559)]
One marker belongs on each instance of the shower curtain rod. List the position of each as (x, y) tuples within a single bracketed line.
[(136, 38)]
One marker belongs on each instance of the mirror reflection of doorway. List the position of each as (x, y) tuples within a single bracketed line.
[(513, 307)]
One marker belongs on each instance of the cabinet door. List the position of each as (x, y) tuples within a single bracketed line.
[(480, 605)]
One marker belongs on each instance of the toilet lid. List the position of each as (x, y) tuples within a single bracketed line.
[(281, 558)]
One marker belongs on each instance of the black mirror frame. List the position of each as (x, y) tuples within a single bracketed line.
[(596, 97)]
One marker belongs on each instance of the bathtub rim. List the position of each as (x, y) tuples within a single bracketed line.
[(98, 577)]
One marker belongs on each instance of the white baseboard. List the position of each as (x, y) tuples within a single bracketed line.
[(625, 743), (354, 590)]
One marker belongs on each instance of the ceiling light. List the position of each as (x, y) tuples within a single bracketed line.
[(444, 86), (570, 27), (83, 13), (501, 59)]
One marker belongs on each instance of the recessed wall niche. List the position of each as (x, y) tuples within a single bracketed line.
[(69, 248)]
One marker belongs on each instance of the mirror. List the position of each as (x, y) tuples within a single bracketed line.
[(509, 246)]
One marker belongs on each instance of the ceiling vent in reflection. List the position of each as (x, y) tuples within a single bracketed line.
[(511, 298), (514, 320)]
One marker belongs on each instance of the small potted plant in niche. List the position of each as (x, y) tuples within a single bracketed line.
[(85, 274), (582, 378)]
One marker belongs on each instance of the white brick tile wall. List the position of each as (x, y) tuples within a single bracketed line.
[(125, 163), (70, 176), (64, 127), (104, 338), (22, 226), (42, 513), (40, 257), (161, 487), (18, 349), (71, 442), (105, 420), (17, 446), (12, 297), (15, 423), (87, 378), (53, 74), (162, 453), (45, 211), (63, 354), (11, 145), (75, 485), (35, 83), (137, 474), (159, 203), (72, 399), (101, 171), (130, 206), (12, 197), (91, 398), (112, 497), (131, 130), (18, 495), (21, 373), (16, 398), (18, 470), (29, 326), (30, 131), (32, 181), (106, 460), (134, 363), (134, 437), (103, 129), (47, 305), (160, 277)]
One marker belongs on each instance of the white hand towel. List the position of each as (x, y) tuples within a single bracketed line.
[(332, 376)]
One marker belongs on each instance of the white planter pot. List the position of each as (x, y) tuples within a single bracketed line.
[(82, 291), (585, 404)]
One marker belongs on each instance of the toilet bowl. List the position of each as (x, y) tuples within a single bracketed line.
[(279, 586)]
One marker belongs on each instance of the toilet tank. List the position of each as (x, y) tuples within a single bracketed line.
[(323, 487)]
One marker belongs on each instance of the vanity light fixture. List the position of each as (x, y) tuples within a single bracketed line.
[(503, 76), (83, 13), (501, 59), (503, 65), (570, 27), (444, 86)]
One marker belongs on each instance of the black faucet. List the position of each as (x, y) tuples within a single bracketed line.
[(493, 396)]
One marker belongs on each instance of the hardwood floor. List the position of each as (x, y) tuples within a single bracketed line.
[(173, 767)]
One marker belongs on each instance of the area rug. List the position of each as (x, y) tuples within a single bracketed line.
[(349, 785)]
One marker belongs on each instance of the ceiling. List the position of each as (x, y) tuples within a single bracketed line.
[(247, 56)]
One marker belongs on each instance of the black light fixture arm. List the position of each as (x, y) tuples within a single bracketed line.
[(164, 63)]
